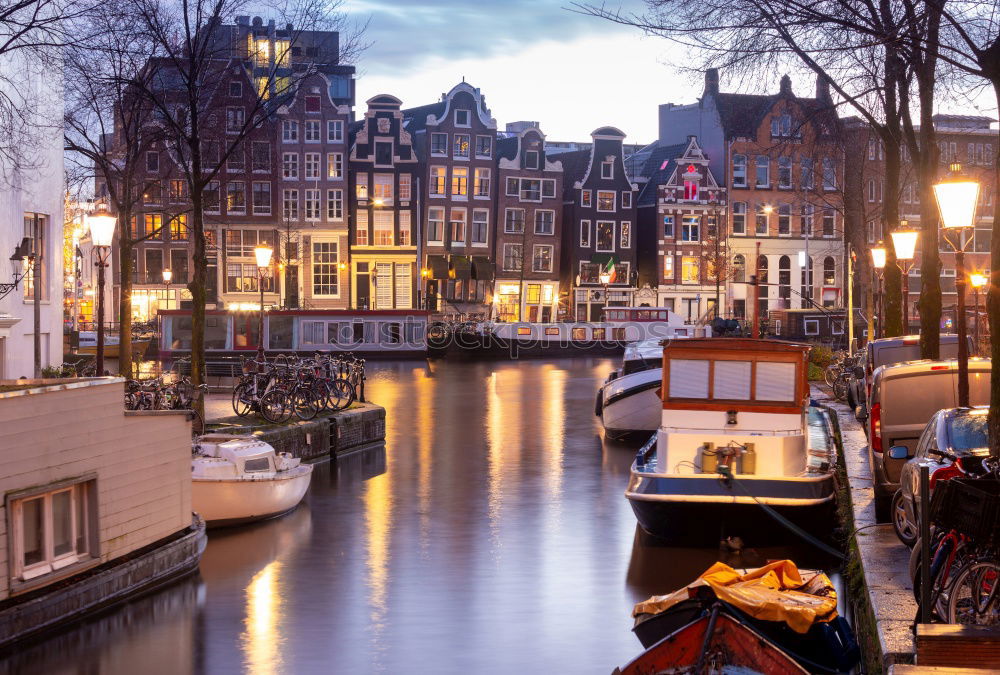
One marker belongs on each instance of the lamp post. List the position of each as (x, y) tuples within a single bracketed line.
[(878, 262), (605, 278), (343, 267), (904, 242), (20, 264), (102, 232), (424, 275), (263, 255), (978, 281), (168, 274), (956, 198)]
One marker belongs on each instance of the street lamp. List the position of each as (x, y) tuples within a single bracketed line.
[(956, 198), (978, 281), (878, 262), (20, 263), (263, 255), (102, 232), (168, 274), (904, 242)]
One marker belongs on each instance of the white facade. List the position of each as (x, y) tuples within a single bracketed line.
[(31, 196)]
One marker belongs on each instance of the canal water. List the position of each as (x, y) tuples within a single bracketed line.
[(490, 535)]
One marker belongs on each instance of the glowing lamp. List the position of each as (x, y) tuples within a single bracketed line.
[(978, 280), (263, 255), (102, 226), (905, 243), (956, 198), (605, 278), (167, 276), (878, 256)]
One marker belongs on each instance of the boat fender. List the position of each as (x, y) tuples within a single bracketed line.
[(748, 464), (599, 403), (709, 458)]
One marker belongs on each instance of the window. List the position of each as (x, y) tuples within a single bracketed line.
[(762, 217), (383, 153), (154, 266), (627, 199), (312, 205), (335, 165), (785, 173), (152, 224), (463, 118), (690, 228), (335, 131), (235, 88), (178, 190), (210, 197), (289, 131), (668, 266), (829, 174), (242, 278), (541, 260), (260, 156), (739, 268), (458, 226), (531, 190), (439, 178), (811, 326), (52, 530), (531, 159), (668, 227), (480, 226), (585, 233), (545, 222), (312, 166), (513, 187), (739, 170), (236, 162), (361, 186), (871, 148), (179, 228), (325, 273), (512, 257), (605, 200), (482, 182), (439, 144), (785, 220), (435, 224), (625, 240), (209, 154), (241, 243), (404, 187), (461, 148), (513, 222), (290, 165), (236, 197), (383, 227), (829, 221), (806, 179), (605, 236), (763, 166), (235, 119), (361, 228), (404, 229), (334, 204), (290, 204), (179, 266), (608, 169), (690, 270), (261, 199), (460, 182), (152, 162), (311, 131), (383, 188), (739, 217), (829, 271), (781, 125), (807, 220), (585, 198), (871, 189), (548, 188), (484, 146)]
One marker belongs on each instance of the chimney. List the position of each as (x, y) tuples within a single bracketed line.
[(712, 82), (786, 85), (823, 90)]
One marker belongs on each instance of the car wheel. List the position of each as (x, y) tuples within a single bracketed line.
[(905, 529)]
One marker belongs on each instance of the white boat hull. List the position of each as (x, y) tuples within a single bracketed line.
[(233, 501), (631, 403)]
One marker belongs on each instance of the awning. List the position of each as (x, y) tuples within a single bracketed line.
[(438, 265), (462, 266), (483, 268)]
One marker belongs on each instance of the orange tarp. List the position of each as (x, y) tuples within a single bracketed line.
[(775, 592)]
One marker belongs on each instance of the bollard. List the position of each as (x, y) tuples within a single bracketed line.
[(925, 545)]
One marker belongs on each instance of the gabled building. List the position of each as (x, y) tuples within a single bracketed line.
[(599, 220), (529, 227), (682, 209), (383, 206), (456, 139), (781, 158)]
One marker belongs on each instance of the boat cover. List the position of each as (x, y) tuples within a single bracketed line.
[(775, 592)]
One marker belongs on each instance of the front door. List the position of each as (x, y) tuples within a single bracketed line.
[(363, 284), (245, 334)]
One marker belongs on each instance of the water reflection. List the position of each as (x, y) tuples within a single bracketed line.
[(262, 639)]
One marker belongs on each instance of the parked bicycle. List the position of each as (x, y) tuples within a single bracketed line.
[(155, 394), (839, 373)]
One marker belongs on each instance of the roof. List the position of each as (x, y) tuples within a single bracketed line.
[(608, 131), (656, 169), (742, 114), (507, 147), (728, 344), (575, 164), (417, 117)]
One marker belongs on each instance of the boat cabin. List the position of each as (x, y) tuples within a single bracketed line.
[(642, 314)]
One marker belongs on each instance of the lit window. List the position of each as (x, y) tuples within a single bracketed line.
[(459, 181), (605, 200), (690, 270)]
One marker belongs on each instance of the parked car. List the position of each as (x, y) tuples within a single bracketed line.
[(904, 397), (886, 352), (952, 444)]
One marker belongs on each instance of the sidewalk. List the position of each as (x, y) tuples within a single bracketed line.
[(884, 559)]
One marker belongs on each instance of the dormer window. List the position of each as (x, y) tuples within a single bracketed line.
[(235, 88), (608, 169), (463, 118), (531, 159), (781, 125)]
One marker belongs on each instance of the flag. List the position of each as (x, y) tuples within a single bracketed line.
[(611, 271)]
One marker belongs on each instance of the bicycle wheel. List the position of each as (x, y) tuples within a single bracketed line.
[(275, 406), (305, 404), (830, 375), (974, 599), (840, 388), (341, 394), (242, 400), (321, 392)]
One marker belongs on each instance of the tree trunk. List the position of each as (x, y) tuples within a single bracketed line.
[(125, 247), (993, 302), (930, 258), (890, 210)]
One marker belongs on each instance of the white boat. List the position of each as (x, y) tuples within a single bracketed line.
[(239, 479), (628, 401), (735, 433)]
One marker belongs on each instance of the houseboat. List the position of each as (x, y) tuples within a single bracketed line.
[(815, 325), (736, 433), (368, 333), (629, 401), (621, 327), (88, 343)]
